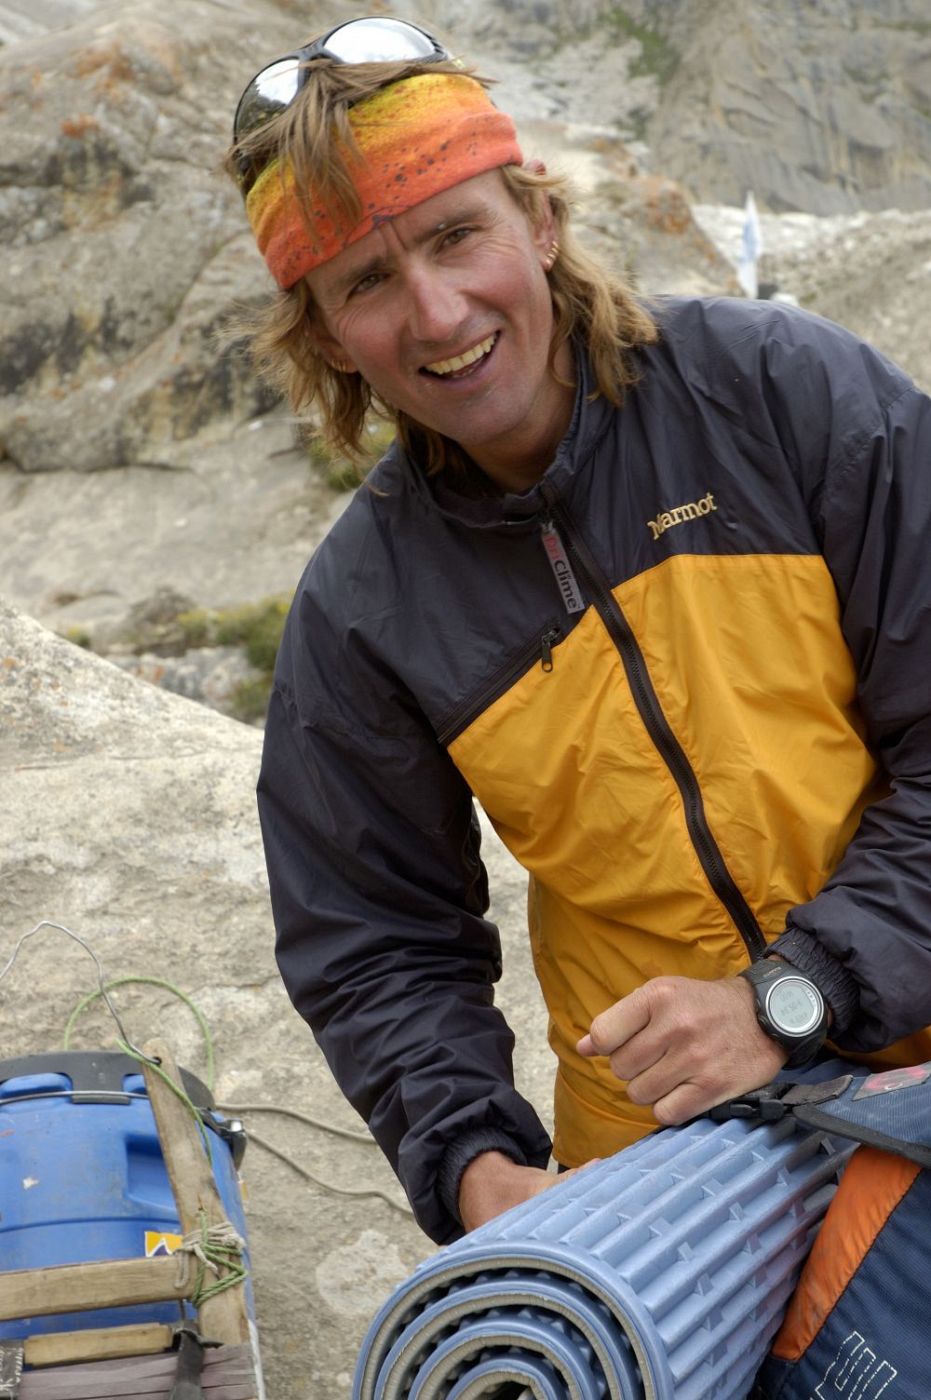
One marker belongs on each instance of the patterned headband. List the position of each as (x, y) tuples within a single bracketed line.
[(416, 138)]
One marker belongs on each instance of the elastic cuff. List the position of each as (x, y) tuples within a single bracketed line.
[(832, 979), (464, 1150)]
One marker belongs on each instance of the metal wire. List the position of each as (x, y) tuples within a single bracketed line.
[(101, 980)]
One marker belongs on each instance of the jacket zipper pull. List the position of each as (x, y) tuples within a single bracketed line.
[(549, 639), (556, 553)]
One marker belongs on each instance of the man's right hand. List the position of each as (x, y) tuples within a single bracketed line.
[(492, 1184)]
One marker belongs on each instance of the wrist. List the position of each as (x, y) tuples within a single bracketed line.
[(462, 1152), (838, 987), (789, 1008)]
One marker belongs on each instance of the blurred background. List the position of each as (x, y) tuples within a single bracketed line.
[(157, 505)]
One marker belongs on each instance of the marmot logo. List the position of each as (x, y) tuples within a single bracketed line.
[(678, 514)]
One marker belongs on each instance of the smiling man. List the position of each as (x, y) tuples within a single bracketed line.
[(650, 583)]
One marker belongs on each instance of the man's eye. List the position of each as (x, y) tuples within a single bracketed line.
[(366, 283), (456, 235)]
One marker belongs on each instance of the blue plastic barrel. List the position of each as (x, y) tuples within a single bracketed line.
[(82, 1176), (661, 1273)]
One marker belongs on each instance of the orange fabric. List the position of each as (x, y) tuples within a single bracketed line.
[(618, 894), (871, 1188), (416, 138)]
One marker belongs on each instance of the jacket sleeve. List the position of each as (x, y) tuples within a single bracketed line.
[(379, 898), (867, 934)]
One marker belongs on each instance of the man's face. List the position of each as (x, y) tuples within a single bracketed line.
[(445, 310)]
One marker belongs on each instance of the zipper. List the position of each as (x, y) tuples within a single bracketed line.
[(549, 639), (660, 731), (539, 649)]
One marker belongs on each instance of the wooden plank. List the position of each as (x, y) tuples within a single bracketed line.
[(228, 1374), (222, 1318), (99, 1344), (69, 1288)]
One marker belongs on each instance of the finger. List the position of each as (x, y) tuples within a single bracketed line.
[(685, 1101), (656, 1081), (641, 1055), (614, 1027)]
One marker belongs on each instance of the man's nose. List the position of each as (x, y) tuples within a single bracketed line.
[(436, 305)]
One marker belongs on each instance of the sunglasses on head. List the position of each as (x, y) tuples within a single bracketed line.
[(374, 39)]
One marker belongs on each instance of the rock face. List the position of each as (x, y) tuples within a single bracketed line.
[(111, 137), (822, 107), (819, 107), (129, 817)]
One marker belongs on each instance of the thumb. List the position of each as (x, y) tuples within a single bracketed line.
[(585, 1046)]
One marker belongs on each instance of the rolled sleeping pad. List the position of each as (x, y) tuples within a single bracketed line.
[(82, 1176), (661, 1273)]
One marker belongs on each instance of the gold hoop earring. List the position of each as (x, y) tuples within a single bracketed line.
[(552, 255)]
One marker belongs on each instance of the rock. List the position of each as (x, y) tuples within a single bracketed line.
[(870, 272), (214, 676), (111, 190), (821, 108), (129, 817)]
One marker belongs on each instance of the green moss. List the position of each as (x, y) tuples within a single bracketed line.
[(657, 58), (78, 636), (256, 627), (194, 627), (249, 700), (342, 473)]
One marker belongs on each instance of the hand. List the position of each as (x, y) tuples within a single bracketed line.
[(492, 1184), (684, 1045)]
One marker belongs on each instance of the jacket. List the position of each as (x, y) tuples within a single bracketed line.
[(688, 678)]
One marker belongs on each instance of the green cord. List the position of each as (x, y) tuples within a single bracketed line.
[(134, 1054), (148, 982), (177, 1090), (219, 1248)]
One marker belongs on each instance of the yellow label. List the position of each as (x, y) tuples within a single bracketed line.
[(159, 1242)]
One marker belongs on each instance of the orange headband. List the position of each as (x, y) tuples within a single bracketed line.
[(416, 138)]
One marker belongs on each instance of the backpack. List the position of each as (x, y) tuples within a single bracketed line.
[(858, 1325)]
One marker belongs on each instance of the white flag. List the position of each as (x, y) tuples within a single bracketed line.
[(751, 247)]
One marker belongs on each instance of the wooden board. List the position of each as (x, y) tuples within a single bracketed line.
[(98, 1344), (69, 1288), (222, 1318)]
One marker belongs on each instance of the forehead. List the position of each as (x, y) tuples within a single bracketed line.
[(482, 198)]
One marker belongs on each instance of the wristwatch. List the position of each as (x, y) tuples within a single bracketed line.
[(789, 1007)]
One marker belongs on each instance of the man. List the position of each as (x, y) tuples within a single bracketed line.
[(651, 583)]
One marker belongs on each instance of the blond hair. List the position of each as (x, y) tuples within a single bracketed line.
[(590, 302)]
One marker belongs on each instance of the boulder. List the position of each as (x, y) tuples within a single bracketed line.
[(129, 818)]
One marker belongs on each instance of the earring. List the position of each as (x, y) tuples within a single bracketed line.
[(552, 255)]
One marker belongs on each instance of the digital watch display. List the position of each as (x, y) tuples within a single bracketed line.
[(789, 1007)]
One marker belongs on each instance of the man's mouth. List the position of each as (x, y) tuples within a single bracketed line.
[(461, 365)]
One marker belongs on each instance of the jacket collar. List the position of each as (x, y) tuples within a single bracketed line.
[(591, 417)]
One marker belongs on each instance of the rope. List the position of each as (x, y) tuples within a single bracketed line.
[(128, 1048), (357, 1191), (217, 1248), (239, 1108), (146, 982), (178, 1092)]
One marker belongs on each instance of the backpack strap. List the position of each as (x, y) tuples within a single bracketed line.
[(890, 1110)]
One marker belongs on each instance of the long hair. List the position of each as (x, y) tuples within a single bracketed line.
[(590, 303)]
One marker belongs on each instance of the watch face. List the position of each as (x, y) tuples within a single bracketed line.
[(794, 1006)]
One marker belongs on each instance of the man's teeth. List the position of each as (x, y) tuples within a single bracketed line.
[(462, 361)]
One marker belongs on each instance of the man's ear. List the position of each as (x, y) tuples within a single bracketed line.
[(543, 221)]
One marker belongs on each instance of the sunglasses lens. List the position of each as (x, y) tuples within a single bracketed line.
[(378, 40), (370, 40), (269, 92)]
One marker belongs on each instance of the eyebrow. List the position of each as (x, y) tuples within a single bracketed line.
[(466, 214)]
